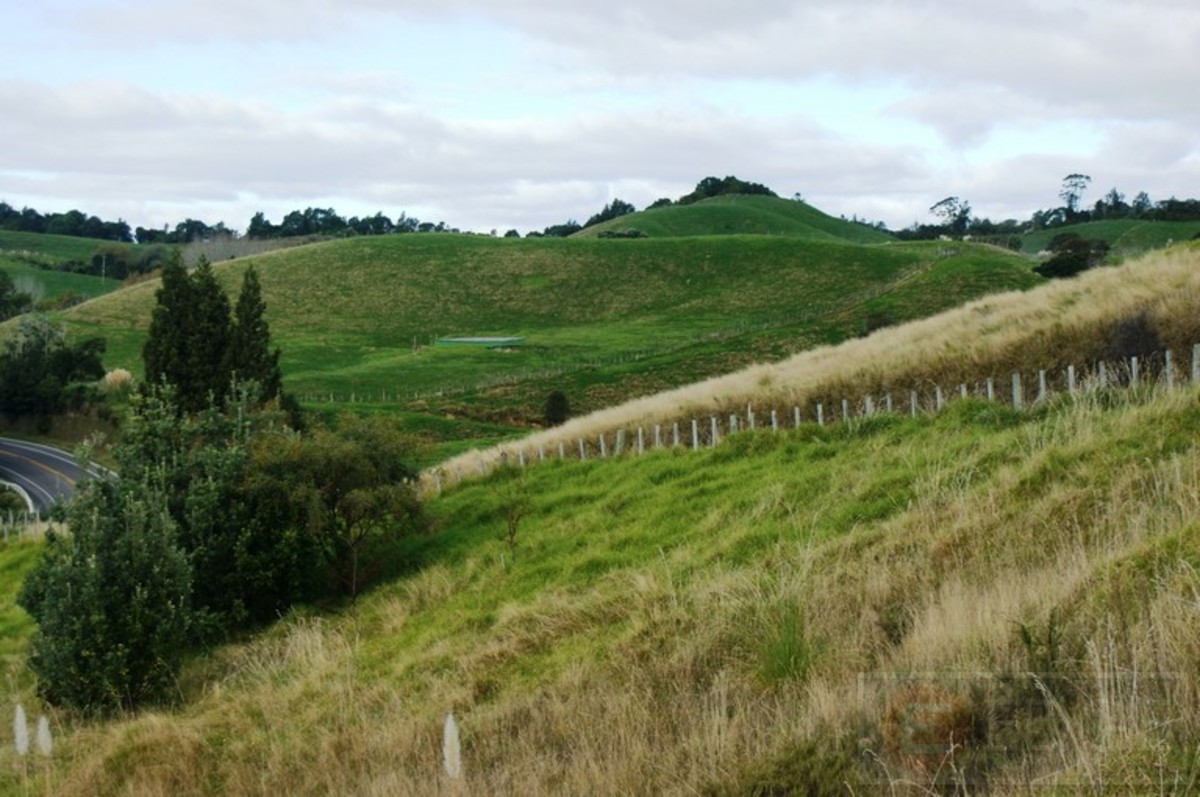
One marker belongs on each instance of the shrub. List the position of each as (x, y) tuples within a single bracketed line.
[(557, 409), (112, 602)]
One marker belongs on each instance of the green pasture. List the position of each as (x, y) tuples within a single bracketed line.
[(603, 320), (1127, 237)]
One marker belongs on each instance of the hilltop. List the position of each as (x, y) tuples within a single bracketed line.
[(980, 599), (739, 214)]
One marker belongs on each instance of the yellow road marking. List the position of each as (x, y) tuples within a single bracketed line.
[(40, 466)]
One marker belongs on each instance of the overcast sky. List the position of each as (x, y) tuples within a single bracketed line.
[(525, 113)]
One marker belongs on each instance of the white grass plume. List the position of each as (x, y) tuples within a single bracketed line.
[(20, 731), (451, 748), (45, 743)]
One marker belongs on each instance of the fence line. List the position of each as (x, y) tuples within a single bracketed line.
[(1158, 370)]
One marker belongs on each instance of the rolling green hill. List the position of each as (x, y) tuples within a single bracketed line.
[(740, 214), (603, 320), (1127, 237), (30, 259), (978, 601)]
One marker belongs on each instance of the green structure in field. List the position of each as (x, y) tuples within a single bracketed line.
[(485, 342)]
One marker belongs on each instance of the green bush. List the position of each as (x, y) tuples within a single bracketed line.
[(111, 601)]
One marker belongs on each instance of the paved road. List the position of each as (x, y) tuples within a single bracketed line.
[(42, 473)]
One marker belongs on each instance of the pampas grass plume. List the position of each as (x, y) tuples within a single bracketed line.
[(451, 749), (45, 744), (21, 731)]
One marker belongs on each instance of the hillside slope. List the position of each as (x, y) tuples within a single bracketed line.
[(603, 320), (1111, 313), (980, 600), (740, 214)]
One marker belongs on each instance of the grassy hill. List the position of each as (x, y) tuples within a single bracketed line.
[(981, 599), (603, 320), (1127, 237), (29, 259), (740, 214)]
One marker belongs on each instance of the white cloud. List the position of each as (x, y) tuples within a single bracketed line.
[(531, 112)]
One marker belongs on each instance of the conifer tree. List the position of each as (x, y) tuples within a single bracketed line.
[(250, 356), (166, 353), (208, 337)]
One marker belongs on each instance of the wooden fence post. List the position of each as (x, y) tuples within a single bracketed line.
[(716, 434), (695, 435), (1041, 386), (1017, 397), (820, 415), (912, 403), (845, 411), (1071, 380), (937, 397), (796, 417)]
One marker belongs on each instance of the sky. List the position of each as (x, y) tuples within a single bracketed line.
[(527, 113)]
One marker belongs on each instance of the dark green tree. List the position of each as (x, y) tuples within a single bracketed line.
[(12, 301), (111, 600), (557, 409), (42, 375), (166, 353), (249, 354), (209, 334)]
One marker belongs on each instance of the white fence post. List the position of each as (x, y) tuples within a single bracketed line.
[(641, 441), (845, 411), (962, 390), (1170, 369), (582, 451), (1071, 380), (695, 435), (716, 434), (774, 421), (1133, 372), (1041, 386), (912, 403), (603, 447), (991, 389), (1103, 377), (820, 415), (796, 417), (1016, 391), (937, 397), (1196, 363)]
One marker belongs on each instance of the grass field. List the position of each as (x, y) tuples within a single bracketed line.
[(603, 320), (1127, 237)]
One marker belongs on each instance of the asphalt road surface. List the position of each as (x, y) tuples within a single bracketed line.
[(43, 474)]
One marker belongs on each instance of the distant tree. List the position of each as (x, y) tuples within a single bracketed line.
[(613, 210), (512, 234), (713, 186), (260, 227), (1072, 254), (42, 375), (660, 203), (955, 214), (562, 230), (557, 409), (12, 301), (1073, 186), (1141, 205)]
